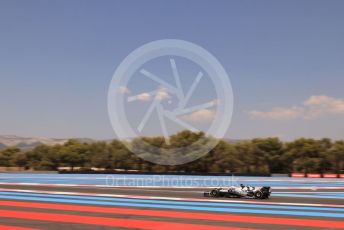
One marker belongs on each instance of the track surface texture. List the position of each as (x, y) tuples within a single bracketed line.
[(59, 202)]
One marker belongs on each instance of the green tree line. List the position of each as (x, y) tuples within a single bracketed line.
[(260, 155)]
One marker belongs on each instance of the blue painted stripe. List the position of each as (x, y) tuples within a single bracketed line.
[(126, 179), (307, 196), (193, 208), (333, 195), (312, 194), (174, 206), (206, 183), (195, 203), (320, 195)]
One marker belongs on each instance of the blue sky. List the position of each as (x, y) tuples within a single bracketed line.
[(285, 61)]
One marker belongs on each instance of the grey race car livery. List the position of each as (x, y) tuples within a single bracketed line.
[(241, 191)]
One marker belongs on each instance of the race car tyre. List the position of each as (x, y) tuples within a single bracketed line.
[(214, 193), (258, 195)]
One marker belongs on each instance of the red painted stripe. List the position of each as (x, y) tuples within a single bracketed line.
[(314, 175), (111, 222), (182, 215), (330, 175), (6, 227), (298, 175)]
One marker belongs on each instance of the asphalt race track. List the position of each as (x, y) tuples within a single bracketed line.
[(60, 206)]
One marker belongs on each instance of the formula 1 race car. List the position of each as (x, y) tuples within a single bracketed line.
[(241, 191)]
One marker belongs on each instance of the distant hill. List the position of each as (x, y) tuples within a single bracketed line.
[(2, 146), (31, 142), (233, 141)]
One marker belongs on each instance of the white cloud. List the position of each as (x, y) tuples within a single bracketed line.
[(162, 94), (279, 113), (123, 90), (203, 115), (144, 97), (323, 105), (314, 107)]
